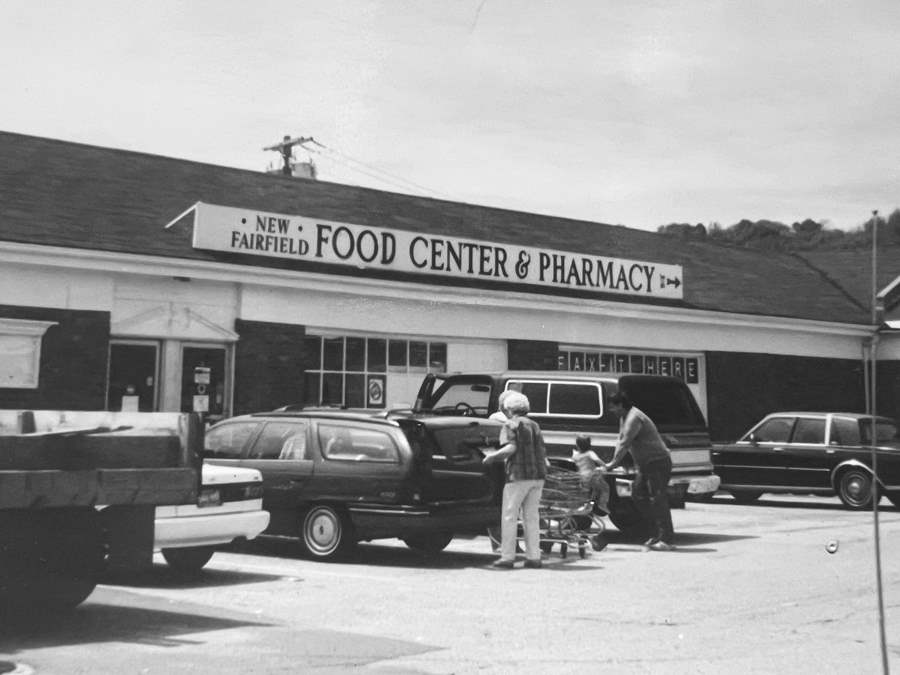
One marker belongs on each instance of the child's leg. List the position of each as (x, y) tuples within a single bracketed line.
[(600, 490)]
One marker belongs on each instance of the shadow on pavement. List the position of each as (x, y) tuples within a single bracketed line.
[(682, 538), (163, 576), (110, 615), (808, 502), (386, 553)]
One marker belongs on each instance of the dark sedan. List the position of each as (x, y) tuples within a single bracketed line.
[(813, 453), (332, 478)]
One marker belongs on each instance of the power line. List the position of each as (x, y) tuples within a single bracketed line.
[(380, 174)]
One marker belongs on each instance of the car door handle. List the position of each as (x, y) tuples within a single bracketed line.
[(777, 449)]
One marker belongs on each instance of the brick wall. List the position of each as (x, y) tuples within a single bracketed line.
[(270, 359), (742, 388), (74, 360), (532, 354)]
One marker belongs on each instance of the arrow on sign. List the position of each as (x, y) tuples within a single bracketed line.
[(665, 281)]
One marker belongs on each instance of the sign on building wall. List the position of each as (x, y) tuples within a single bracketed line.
[(684, 367), (222, 228)]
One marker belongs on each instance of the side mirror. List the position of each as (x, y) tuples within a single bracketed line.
[(753, 439)]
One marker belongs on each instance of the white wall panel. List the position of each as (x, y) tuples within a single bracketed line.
[(168, 308), (32, 286), (500, 318)]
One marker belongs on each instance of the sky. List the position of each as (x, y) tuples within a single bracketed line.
[(631, 112)]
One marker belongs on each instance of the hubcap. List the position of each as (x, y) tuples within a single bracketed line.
[(856, 488), (322, 532)]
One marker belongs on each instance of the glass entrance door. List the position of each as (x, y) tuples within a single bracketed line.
[(203, 380), (133, 374)]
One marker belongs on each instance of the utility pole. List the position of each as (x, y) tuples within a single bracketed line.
[(286, 148)]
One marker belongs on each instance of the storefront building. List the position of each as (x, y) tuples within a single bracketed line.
[(132, 281)]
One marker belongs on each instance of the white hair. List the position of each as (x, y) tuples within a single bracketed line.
[(516, 402)]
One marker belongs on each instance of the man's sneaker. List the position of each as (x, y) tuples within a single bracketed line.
[(652, 540), (503, 564), (662, 546), (598, 543), (533, 564)]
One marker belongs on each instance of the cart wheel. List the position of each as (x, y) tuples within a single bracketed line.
[(546, 546), (563, 550), (581, 551)]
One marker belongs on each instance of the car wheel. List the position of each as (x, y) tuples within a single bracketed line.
[(189, 560), (429, 544), (326, 533), (746, 496), (855, 488)]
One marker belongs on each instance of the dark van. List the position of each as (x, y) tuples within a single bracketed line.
[(568, 404)]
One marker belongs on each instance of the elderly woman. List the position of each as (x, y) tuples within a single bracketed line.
[(526, 468)]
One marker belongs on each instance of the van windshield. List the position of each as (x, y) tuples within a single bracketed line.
[(669, 403)]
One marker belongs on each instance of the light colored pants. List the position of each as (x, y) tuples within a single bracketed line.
[(524, 495)]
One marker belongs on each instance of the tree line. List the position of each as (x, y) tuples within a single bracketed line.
[(772, 235)]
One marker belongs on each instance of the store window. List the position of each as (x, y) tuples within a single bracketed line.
[(352, 371)]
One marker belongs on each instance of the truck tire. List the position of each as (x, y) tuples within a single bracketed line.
[(50, 559)]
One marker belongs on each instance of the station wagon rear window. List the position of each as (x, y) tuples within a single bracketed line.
[(561, 399), (357, 444)]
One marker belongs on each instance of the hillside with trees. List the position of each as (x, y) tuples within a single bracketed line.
[(843, 258), (770, 235)]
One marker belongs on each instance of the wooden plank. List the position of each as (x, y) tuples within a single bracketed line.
[(54, 488)]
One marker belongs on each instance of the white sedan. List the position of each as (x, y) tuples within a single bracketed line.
[(228, 508)]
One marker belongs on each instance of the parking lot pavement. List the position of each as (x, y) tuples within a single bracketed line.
[(750, 589)]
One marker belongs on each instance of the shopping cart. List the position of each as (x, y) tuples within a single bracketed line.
[(567, 516)]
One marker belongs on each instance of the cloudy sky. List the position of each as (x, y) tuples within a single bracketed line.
[(633, 112)]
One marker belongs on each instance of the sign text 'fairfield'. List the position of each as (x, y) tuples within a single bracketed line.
[(222, 228)]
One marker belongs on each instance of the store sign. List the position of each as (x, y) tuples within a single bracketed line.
[(686, 368), (222, 228)]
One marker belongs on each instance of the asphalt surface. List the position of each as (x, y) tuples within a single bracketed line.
[(783, 586)]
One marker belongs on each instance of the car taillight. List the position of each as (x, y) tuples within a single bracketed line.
[(209, 497), (253, 492)]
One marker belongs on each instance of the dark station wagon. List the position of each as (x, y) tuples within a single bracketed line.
[(813, 453), (332, 478)]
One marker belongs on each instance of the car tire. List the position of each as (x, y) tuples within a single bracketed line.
[(429, 544), (188, 560), (326, 533), (746, 496), (854, 487)]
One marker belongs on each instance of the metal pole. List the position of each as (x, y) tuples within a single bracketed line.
[(873, 350)]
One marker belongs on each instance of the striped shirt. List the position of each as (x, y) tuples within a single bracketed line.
[(529, 461)]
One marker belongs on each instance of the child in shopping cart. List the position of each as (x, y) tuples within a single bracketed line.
[(592, 476)]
